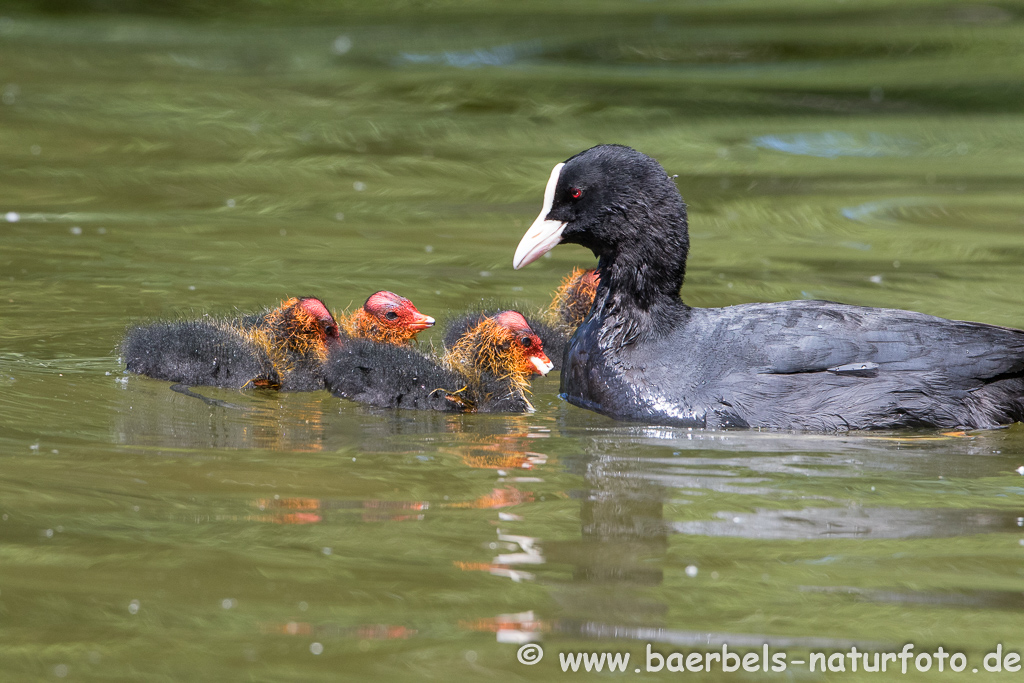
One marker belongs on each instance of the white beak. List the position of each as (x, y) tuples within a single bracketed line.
[(543, 235), (543, 367)]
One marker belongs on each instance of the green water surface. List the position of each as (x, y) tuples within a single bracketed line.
[(154, 166)]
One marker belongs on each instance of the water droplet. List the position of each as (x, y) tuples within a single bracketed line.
[(133, 607), (11, 91), (316, 648), (691, 570), (36, 150), (60, 671), (470, 656), (303, 606), (341, 45), (358, 186), (325, 551), (339, 216), (230, 203), (12, 217), (228, 603)]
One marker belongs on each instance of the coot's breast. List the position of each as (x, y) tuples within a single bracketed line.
[(638, 383)]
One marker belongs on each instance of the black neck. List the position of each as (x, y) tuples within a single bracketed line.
[(638, 294)]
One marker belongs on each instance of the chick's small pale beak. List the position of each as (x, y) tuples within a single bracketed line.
[(542, 363), (421, 322), (544, 234)]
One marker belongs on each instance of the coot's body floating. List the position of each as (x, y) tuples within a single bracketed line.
[(642, 354), (283, 348), (486, 369)]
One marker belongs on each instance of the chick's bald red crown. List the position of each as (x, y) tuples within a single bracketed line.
[(396, 311)]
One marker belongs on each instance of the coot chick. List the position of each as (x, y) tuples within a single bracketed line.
[(386, 317), (284, 348), (643, 354), (553, 336), (572, 300), (486, 369), (570, 304)]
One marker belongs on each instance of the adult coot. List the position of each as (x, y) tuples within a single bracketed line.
[(642, 354)]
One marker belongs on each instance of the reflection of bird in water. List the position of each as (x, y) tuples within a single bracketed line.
[(486, 369), (509, 628), (360, 632), (497, 498), (283, 348), (505, 452), (309, 510)]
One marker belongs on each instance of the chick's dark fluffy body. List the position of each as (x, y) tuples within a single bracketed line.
[(222, 353), (194, 352), (388, 376)]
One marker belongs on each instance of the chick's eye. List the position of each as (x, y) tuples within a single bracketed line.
[(575, 192), (391, 315), (526, 342)]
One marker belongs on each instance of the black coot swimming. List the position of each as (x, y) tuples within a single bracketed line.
[(642, 354)]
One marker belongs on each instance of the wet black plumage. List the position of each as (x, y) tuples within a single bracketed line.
[(643, 354)]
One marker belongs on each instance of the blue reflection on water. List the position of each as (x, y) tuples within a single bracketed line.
[(834, 144), (877, 210), (502, 55)]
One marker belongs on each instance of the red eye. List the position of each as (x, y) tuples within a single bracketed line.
[(575, 193)]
